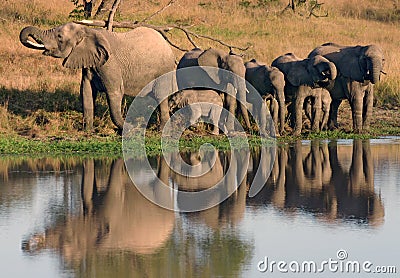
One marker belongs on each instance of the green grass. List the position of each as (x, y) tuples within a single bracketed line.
[(12, 145), (111, 146)]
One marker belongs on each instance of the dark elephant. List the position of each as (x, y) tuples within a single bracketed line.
[(114, 63), (270, 84), (207, 77), (301, 77), (359, 68)]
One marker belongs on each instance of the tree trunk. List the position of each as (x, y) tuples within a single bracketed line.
[(104, 9)]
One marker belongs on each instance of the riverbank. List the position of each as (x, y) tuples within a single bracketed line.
[(384, 123)]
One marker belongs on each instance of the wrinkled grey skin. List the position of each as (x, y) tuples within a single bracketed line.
[(359, 68), (114, 63), (200, 105), (301, 77), (270, 84), (218, 59), (317, 107)]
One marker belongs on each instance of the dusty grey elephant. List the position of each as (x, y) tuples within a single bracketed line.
[(202, 103), (115, 63), (217, 58), (269, 82), (301, 77), (359, 68)]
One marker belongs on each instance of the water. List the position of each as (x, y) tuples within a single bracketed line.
[(323, 200)]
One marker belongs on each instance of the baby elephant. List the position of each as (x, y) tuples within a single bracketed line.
[(317, 107), (202, 103)]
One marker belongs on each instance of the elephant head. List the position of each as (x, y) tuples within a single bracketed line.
[(79, 46), (359, 63), (316, 71)]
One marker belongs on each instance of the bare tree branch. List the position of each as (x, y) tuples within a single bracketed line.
[(316, 5), (159, 11), (162, 30)]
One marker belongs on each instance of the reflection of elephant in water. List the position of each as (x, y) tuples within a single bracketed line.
[(311, 178), (117, 217), (206, 103), (229, 211), (269, 83), (217, 59), (301, 77), (359, 67), (115, 63)]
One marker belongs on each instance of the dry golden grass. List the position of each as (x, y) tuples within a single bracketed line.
[(269, 32)]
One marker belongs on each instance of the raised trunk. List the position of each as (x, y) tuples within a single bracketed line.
[(34, 33), (333, 70)]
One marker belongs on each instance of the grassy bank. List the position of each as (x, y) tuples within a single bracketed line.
[(40, 110)]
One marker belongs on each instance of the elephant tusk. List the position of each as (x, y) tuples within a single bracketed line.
[(383, 72), (34, 44)]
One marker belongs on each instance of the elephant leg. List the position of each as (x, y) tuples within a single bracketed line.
[(274, 108), (326, 104), (86, 94), (114, 99), (231, 107), (282, 111), (316, 119), (356, 109), (164, 113), (334, 113), (215, 114), (291, 114), (298, 111), (308, 106), (368, 104)]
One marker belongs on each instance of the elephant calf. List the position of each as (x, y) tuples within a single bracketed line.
[(301, 78), (202, 103), (317, 108)]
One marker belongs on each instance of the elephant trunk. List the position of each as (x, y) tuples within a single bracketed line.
[(39, 37), (375, 70), (333, 71), (36, 34)]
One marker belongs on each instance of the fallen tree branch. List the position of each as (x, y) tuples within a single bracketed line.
[(162, 30)]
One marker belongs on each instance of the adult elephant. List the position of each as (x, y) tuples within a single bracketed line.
[(207, 77), (302, 76), (115, 63), (359, 68), (269, 83)]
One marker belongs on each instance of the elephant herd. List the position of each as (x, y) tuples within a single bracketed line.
[(124, 63)]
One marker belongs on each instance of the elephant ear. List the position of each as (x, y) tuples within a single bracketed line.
[(92, 50), (212, 58), (298, 75), (353, 66)]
